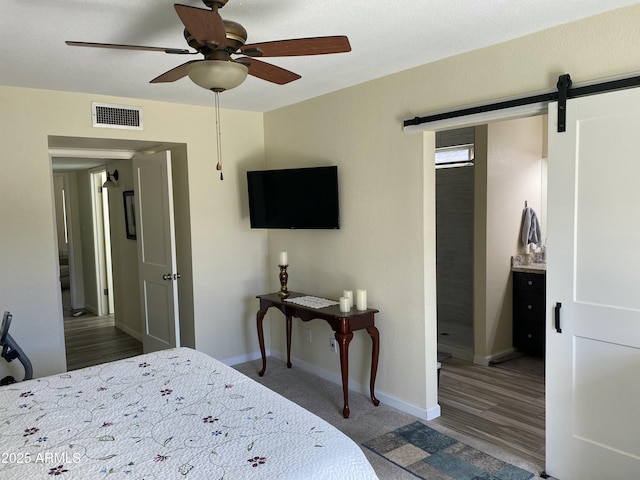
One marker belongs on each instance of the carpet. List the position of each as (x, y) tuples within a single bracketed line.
[(527, 365), (429, 454)]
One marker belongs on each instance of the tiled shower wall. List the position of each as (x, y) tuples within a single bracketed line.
[(454, 255)]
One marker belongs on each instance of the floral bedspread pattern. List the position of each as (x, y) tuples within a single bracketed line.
[(170, 414)]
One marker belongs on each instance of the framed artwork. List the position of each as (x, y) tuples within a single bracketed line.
[(129, 213)]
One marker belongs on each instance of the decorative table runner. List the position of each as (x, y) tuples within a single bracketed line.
[(312, 302)]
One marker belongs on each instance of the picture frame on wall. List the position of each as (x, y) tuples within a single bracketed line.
[(129, 213)]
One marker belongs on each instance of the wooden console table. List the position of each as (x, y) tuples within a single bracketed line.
[(342, 323)]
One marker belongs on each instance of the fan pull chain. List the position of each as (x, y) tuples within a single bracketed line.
[(219, 134)]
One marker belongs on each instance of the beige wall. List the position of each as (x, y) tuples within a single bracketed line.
[(386, 244), (514, 174), (75, 242), (85, 216), (124, 255), (379, 246), (228, 258), (383, 244)]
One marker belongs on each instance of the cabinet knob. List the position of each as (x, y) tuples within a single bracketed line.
[(529, 282), (529, 307)]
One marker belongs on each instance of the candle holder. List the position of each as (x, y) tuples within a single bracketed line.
[(284, 276)]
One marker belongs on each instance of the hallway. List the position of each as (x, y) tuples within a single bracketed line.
[(91, 340)]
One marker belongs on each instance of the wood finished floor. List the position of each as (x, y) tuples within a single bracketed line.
[(496, 406), (93, 340), (500, 407)]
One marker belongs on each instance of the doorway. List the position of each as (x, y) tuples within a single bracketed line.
[(84, 225), (482, 209), (74, 157), (86, 275), (61, 202), (509, 170)]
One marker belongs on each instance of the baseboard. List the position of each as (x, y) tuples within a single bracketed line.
[(467, 355), (231, 361), (428, 414), (485, 361), (456, 352), (433, 413), (129, 331)]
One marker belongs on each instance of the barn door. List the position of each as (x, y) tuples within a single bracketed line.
[(593, 289)]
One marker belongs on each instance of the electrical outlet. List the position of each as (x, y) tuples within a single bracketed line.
[(333, 344), (307, 332)]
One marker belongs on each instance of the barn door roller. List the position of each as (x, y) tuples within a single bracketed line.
[(564, 84)]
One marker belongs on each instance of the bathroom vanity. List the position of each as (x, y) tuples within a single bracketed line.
[(529, 285)]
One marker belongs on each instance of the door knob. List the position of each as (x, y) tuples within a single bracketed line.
[(167, 276), (176, 276)]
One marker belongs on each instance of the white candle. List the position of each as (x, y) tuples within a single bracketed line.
[(349, 295), (345, 304), (283, 259), (361, 299)]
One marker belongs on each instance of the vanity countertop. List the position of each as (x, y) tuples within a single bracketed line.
[(528, 264)]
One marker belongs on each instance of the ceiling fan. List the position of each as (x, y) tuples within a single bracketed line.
[(218, 40)]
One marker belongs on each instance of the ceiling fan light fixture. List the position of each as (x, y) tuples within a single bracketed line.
[(217, 75)]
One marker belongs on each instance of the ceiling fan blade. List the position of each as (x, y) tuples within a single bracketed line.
[(205, 26), (174, 74), (267, 71), (298, 47), (178, 51)]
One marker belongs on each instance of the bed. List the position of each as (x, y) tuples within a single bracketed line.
[(171, 414)]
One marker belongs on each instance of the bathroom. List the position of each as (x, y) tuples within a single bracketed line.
[(498, 170)]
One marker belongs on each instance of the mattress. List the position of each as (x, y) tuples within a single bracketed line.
[(171, 414)]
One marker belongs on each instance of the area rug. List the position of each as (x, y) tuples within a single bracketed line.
[(429, 454)]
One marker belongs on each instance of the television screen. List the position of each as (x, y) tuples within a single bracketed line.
[(294, 198)]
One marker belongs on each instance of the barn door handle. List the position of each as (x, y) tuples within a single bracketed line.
[(557, 317)]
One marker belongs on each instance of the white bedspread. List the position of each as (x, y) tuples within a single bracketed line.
[(170, 414)]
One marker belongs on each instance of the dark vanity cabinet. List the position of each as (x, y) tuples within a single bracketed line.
[(529, 312)]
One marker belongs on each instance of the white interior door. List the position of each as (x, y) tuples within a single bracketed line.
[(593, 271), (108, 298), (156, 251), (102, 244)]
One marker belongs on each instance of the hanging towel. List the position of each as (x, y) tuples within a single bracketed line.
[(530, 228)]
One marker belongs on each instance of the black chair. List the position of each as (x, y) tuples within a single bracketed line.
[(11, 351)]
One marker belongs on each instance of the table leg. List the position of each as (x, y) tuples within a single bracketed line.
[(343, 341), (288, 341), (259, 317), (375, 351)]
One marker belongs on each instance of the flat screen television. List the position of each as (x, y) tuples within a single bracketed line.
[(294, 198)]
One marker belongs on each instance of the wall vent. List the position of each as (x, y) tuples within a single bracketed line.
[(116, 116)]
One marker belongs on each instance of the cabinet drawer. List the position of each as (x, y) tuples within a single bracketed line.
[(529, 307), (529, 282), (529, 312), (529, 338)]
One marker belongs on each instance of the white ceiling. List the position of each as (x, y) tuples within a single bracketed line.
[(386, 37)]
